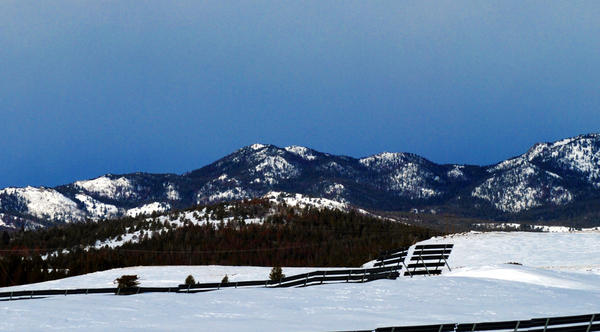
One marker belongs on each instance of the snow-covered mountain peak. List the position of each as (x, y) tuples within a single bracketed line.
[(303, 152), (521, 187), (577, 139), (383, 159), (257, 146), (546, 177), (540, 176), (405, 174), (391, 160), (536, 150), (42, 203), (579, 155), (275, 168), (583, 150), (266, 164), (508, 164), (109, 187)]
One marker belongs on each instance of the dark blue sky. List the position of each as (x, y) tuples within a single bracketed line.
[(94, 87)]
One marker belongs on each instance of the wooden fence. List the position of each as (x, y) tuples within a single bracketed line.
[(426, 259), (301, 280), (580, 323), (387, 267)]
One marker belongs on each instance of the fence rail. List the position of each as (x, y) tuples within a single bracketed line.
[(392, 257), (13, 295), (387, 267), (579, 323), (310, 278), (302, 280), (428, 259)]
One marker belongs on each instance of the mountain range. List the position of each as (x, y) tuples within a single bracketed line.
[(557, 180)]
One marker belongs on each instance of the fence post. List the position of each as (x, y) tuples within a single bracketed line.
[(407, 270), (188, 290), (444, 257), (11, 294), (118, 290), (363, 277), (66, 290), (306, 280), (517, 326), (323, 277), (546, 326), (86, 291), (31, 296), (473, 329), (441, 257), (591, 322), (424, 264)]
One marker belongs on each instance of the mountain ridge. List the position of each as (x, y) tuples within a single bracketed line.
[(550, 177)]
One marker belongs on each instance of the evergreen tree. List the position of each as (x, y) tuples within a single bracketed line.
[(276, 274), (190, 280), (127, 281)]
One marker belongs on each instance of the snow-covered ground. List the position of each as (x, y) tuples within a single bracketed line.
[(560, 275), (567, 251), (164, 276), (495, 226)]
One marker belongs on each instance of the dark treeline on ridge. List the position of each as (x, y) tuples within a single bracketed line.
[(289, 237)]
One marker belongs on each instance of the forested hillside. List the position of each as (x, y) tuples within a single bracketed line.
[(255, 232)]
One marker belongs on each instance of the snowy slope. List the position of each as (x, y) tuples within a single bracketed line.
[(43, 203), (148, 209), (97, 209), (560, 276), (407, 174), (580, 155), (109, 188), (564, 251), (544, 175), (301, 201), (323, 308), (201, 216), (521, 187)]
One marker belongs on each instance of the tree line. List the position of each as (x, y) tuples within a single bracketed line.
[(288, 237)]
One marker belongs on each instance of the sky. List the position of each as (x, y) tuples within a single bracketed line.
[(95, 87)]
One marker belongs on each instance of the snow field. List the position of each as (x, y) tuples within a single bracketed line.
[(566, 251), (328, 307), (560, 276), (164, 276)]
